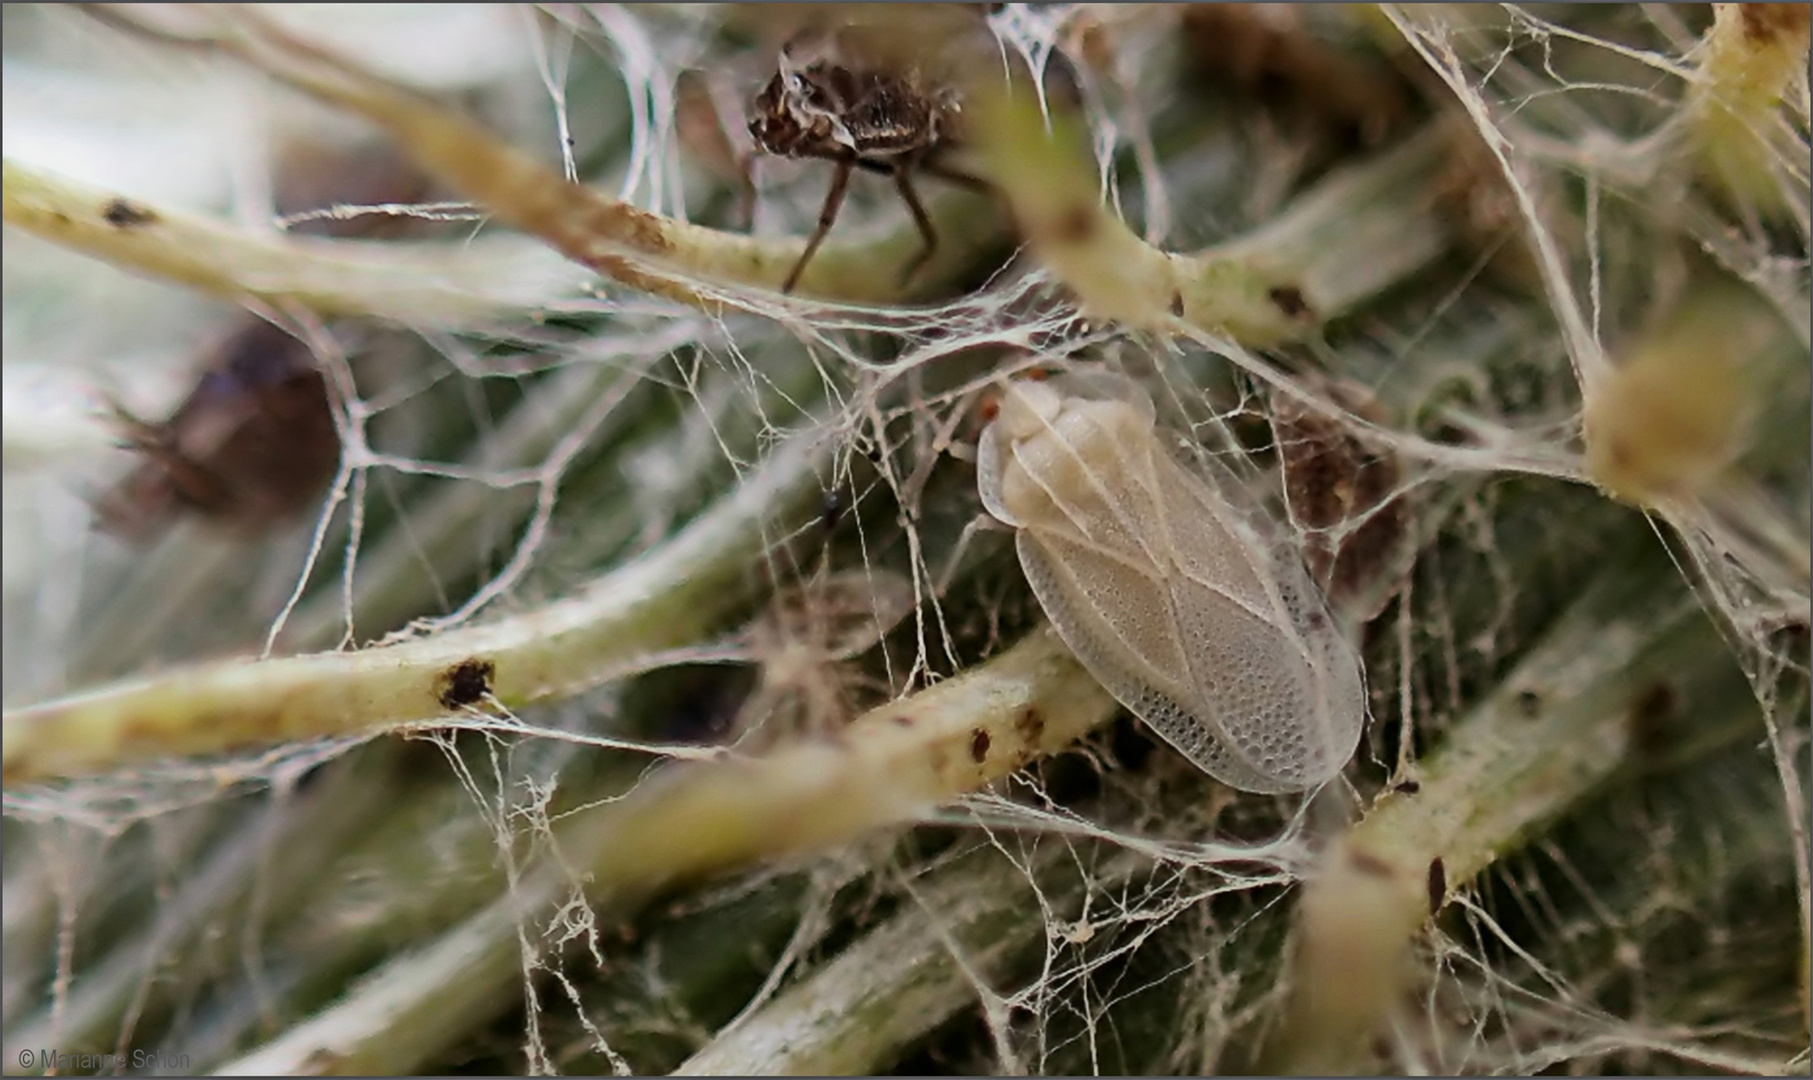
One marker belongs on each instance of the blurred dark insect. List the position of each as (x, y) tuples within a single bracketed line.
[(255, 442), (1274, 51), (252, 444)]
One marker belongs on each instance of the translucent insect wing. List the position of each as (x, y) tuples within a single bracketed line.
[(1186, 614)]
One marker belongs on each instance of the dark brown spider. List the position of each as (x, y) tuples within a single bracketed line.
[(877, 120)]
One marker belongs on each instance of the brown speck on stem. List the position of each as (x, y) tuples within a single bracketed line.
[(1031, 727), (978, 745), (1075, 226), (1289, 299), (465, 683), (1438, 884), (122, 214), (1368, 863)]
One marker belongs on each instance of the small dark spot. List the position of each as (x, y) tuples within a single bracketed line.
[(978, 746), (1130, 745), (1529, 702), (1177, 304), (1407, 787), (1076, 226), (903, 720), (1368, 863), (125, 215), (1650, 712), (873, 453), (1438, 884), (1289, 299), (1451, 435), (832, 512), (1031, 727), (465, 683)]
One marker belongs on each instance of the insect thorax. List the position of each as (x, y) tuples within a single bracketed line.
[(825, 109)]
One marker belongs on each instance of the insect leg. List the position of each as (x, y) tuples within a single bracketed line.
[(834, 201), (903, 179), (953, 563), (745, 208), (956, 176)]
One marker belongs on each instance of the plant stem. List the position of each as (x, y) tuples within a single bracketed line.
[(703, 818), (973, 925), (666, 598), (1569, 718), (420, 284)]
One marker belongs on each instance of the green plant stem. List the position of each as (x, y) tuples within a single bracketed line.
[(894, 986), (1363, 229), (704, 818), (658, 254), (666, 598), (418, 283), (1561, 725), (238, 882)]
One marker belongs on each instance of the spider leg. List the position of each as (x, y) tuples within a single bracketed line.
[(903, 179), (834, 201)]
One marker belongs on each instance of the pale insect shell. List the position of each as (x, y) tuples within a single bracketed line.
[(1180, 605)]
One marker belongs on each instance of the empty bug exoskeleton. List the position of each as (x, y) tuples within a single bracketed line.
[(879, 120), (1177, 602)]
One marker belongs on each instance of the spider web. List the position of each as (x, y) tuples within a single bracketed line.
[(1103, 910)]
